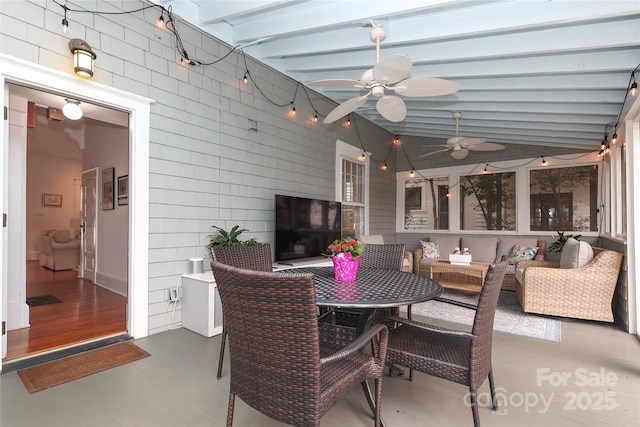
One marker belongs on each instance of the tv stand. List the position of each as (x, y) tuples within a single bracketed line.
[(302, 262)]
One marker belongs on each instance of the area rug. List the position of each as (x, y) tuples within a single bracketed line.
[(509, 315), (70, 368), (42, 300)]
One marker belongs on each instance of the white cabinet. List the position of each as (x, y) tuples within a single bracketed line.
[(201, 307)]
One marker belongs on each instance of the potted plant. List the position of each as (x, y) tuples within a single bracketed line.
[(345, 254), (561, 239), (226, 238)]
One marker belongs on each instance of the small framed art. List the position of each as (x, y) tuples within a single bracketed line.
[(51, 199), (123, 190), (107, 189)]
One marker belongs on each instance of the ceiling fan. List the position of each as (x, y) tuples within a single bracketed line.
[(460, 145), (388, 74)]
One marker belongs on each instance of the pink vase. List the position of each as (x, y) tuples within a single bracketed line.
[(345, 267)]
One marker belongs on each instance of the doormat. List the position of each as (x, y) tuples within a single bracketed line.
[(70, 368), (42, 300)]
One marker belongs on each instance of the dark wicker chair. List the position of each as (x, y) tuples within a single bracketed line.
[(254, 257), (461, 357), (285, 366)]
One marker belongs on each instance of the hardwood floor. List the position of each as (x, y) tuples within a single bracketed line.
[(87, 312)]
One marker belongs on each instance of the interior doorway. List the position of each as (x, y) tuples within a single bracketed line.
[(54, 216)]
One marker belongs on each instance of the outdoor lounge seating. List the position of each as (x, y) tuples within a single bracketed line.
[(583, 292), (284, 365)]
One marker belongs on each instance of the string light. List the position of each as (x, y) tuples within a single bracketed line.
[(160, 22), (448, 193), (396, 140), (633, 90), (65, 23), (485, 167), (614, 139), (246, 77), (315, 118), (293, 109), (412, 174), (544, 162), (384, 166), (348, 120)]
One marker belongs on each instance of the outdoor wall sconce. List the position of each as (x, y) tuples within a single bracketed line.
[(72, 110), (83, 58)]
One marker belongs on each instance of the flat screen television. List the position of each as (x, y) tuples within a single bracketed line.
[(305, 227)]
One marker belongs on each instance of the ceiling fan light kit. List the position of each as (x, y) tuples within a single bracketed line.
[(389, 74)]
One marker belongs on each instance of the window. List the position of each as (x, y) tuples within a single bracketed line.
[(352, 189), (426, 204), (487, 201), (564, 199)]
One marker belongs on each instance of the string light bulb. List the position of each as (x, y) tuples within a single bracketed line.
[(246, 77), (614, 138), (160, 22), (363, 156), (315, 118), (544, 162), (412, 174), (65, 23), (486, 165), (348, 121), (293, 109), (396, 140), (633, 89), (448, 193), (384, 166)]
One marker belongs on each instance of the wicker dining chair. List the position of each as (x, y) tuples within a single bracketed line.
[(458, 356), (285, 366), (253, 257)]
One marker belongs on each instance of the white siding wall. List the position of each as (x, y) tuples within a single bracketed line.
[(206, 166)]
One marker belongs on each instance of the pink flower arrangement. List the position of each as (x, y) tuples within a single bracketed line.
[(346, 245)]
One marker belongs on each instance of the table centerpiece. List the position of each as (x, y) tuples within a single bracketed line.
[(346, 254), (460, 257)]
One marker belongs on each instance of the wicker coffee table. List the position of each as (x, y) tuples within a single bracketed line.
[(466, 277)]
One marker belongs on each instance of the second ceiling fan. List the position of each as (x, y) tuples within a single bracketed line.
[(388, 74), (459, 146)]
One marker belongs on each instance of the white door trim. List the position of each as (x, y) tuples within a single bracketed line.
[(14, 70)]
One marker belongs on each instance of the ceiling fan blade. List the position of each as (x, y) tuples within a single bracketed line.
[(460, 154), (433, 152), (346, 83), (392, 69), (487, 146), (345, 108), (470, 142), (426, 86), (392, 108)]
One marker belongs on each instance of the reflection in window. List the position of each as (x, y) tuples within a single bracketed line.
[(564, 199), (487, 201), (426, 205), (353, 192)]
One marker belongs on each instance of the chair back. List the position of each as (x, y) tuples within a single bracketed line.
[(275, 354), (389, 256), (254, 257), (483, 323)]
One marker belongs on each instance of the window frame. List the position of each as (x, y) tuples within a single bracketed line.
[(353, 154)]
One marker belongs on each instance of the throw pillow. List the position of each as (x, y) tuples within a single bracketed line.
[(575, 254), (520, 253), (62, 236), (430, 250)]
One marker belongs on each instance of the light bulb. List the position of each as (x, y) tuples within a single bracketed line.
[(315, 118), (161, 23), (246, 77), (614, 139), (384, 167), (634, 89), (412, 174), (65, 25), (544, 162)]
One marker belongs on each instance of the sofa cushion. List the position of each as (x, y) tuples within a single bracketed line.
[(430, 250), (519, 275), (372, 239), (575, 254), (62, 236), (446, 244), (521, 253), (482, 249), (505, 246)]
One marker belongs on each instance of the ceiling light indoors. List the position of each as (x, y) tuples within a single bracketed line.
[(72, 110), (83, 58)]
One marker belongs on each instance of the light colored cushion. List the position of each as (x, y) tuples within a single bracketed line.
[(519, 275), (372, 239), (62, 236), (430, 250), (575, 254), (482, 249), (446, 244), (520, 253), (506, 244)]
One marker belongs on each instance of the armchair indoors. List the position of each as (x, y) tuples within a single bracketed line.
[(458, 356), (59, 250), (250, 257), (282, 364)]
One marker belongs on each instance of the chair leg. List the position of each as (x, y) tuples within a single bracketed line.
[(378, 391), (474, 408), (494, 400), (232, 399), (221, 357)]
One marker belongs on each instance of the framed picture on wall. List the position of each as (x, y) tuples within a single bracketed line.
[(107, 189), (51, 199), (123, 190)]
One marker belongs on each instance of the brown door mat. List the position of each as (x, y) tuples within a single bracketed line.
[(60, 371)]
